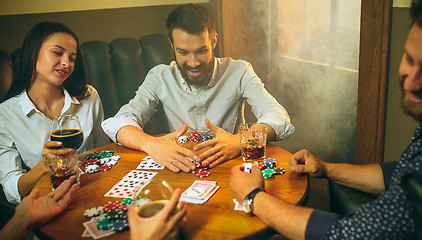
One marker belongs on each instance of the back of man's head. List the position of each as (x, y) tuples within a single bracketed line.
[(416, 12), (191, 18)]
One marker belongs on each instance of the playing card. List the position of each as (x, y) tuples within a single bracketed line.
[(248, 167), (149, 163), (199, 189), (86, 233), (91, 226), (237, 205), (200, 201), (131, 183), (120, 192), (140, 175)]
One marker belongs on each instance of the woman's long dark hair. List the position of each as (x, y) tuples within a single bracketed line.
[(24, 61)]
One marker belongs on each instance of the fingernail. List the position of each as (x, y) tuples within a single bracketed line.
[(294, 169), (205, 163), (192, 167), (59, 143)]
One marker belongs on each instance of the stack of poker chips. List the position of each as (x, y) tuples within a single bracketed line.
[(269, 168), (201, 171), (195, 137), (100, 161), (113, 215)]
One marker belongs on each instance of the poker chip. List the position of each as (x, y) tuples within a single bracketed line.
[(248, 167), (105, 167), (205, 137), (92, 168), (103, 161), (183, 139), (115, 214), (105, 154), (92, 161), (115, 157), (270, 163), (279, 171), (140, 202), (120, 225), (127, 201), (203, 174), (111, 163), (104, 224), (110, 205), (91, 155), (261, 165), (93, 212), (194, 136), (268, 173)]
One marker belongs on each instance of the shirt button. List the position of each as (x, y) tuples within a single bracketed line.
[(199, 94)]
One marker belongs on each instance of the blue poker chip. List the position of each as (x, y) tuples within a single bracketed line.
[(205, 137), (120, 225), (270, 163), (92, 155)]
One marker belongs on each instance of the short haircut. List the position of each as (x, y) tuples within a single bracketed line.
[(191, 18), (416, 12), (24, 61)]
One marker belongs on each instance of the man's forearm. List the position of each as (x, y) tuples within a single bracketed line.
[(367, 178), (288, 219), (131, 137)]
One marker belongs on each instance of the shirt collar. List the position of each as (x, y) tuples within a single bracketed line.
[(28, 106)]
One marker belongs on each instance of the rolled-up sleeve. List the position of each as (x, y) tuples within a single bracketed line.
[(319, 223), (11, 168), (264, 106), (111, 126)]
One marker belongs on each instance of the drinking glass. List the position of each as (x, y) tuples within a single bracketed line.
[(253, 141), (67, 130)]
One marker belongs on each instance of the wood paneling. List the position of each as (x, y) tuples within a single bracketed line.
[(373, 76)]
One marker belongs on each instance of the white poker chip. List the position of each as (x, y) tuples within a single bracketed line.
[(183, 139), (92, 168), (140, 202), (93, 212), (115, 157), (111, 163), (104, 160)]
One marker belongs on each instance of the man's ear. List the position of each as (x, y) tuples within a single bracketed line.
[(214, 40)]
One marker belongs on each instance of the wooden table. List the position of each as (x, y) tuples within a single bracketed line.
[(215, 219)]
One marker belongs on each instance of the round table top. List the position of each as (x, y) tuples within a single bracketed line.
[(215, 219)]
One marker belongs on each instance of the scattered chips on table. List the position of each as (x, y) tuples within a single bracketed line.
[(100, 161), (112, 216)]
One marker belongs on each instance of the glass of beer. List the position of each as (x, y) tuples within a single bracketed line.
[(253, 141), (154, 196), (67, 130)]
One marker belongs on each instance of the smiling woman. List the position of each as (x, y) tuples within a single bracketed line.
[(49, 80)]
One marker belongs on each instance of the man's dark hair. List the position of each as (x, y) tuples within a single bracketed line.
[(416, 12), (191, 18), (24, 61)]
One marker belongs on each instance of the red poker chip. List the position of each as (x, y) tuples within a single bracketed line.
[(110, 205), (91, 161), (261, 165), (105, 167), (203, 174)]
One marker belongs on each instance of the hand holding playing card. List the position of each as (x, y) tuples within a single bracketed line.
[(165, 151), (242, 183), (161, 226)]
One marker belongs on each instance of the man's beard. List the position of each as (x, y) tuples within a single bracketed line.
[(206, 73), (412, 109)]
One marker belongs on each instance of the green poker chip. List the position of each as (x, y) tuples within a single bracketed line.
[(268, 173), (127, 201), (105, 154), (104, 224)]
